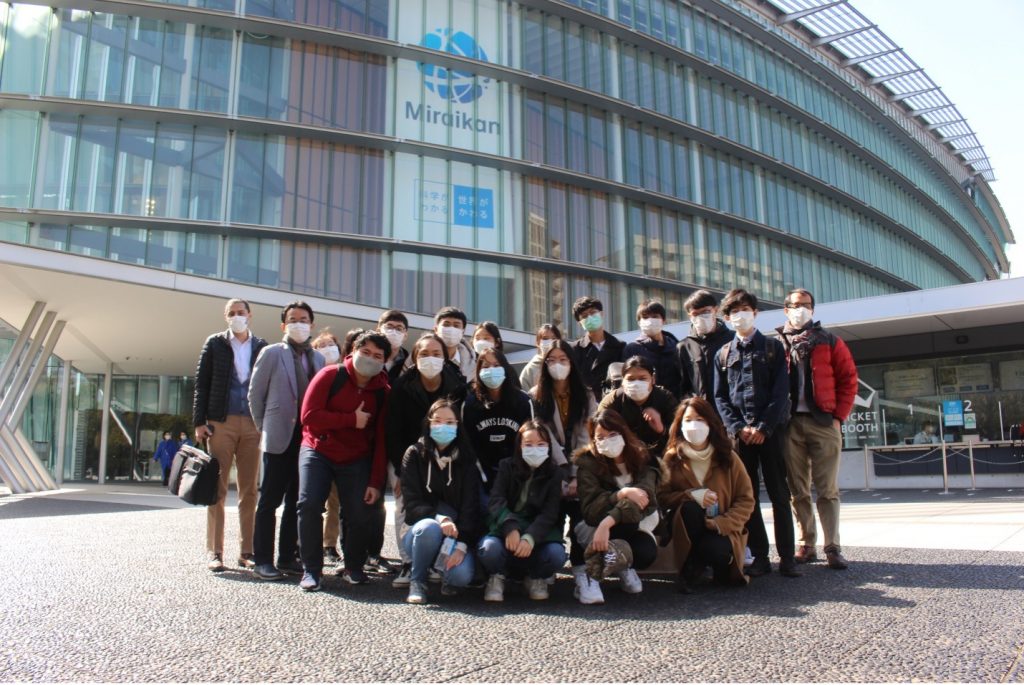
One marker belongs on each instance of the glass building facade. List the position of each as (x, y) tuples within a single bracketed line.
[(505, 156)]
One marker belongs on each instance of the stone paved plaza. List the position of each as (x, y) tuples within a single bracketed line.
[(109, 584)]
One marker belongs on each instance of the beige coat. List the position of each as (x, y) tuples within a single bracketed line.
[(735, 502)]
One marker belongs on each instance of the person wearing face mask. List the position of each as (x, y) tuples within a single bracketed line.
[(487, 336), (565, 405), (331, 348), (547, 335), (596, 348), (752, 396), (450, 326), (344, 415), (617, 480), (441, 489), (492, 414), (220, 413), (823, 384), (183, 439), (706, 496), (395, 327), (277, 387), (696, 352), (656, 345), (646, 407), (525, 520), (164, 454), (430, 379)]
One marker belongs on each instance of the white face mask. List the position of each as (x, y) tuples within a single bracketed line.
[(559, 371), (536, 455), (367, 365), (611, 446), (330, 353), (451, 335), (695, 432), (636, 390), (429, 367), (481, 346), (395, 337), (742, 321), (546, 345), (239, 324), (651, 327), (703, 324), (297, 332), (799, 316)]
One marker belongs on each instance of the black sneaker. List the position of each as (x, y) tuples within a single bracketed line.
[(289, 566), (760, 567), (355, 576), (379, 565)]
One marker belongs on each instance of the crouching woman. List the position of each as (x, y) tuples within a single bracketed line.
[(525, 540), (706, 495), (441, 492)]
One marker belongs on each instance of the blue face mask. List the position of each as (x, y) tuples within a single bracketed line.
[(492, 377), (443, 433)]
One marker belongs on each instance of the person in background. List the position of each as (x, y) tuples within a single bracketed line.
[(752, 395), (220, 414), (441, 492), (613, 380), (823, 385), (926, 436), (596, 348), (450, 326), (565, 405), (276, 390), (646, 407), (547, 335), (343, 442), (395, 327), (697, 351), (183, 439), (706, 496), (617, 481), (328, 345), (164, 454), (430, 379), (656, 345), (525, 520)]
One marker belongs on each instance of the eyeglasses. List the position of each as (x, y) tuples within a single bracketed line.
[(798, 305)]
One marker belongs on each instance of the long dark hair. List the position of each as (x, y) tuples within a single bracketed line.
[(717, 436), (520, 466), (578, 390), (494, 331), (460, 438), (634, 454), (507, 388)]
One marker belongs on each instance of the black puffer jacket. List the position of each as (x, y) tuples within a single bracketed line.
[(541, 515), (213, 376), (454, 491), (697, 362)]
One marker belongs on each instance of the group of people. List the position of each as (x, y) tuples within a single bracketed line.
[(651, 451), (166, 449)]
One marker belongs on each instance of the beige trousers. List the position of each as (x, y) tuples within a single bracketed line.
[(812, 457), (237, 441), (332, 519)]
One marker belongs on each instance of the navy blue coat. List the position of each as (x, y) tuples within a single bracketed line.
[(749, 391)]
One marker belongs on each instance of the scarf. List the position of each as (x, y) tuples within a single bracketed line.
[(700, 460), (802, 341)]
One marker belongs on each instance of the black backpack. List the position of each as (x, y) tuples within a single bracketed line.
[(341, 378)]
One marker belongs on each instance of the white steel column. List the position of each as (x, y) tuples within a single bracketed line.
[(108, 381), (62, 421)]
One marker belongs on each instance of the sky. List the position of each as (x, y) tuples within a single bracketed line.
[(974, 51)]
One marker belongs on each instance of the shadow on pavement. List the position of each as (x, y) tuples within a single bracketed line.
[(41, 507)]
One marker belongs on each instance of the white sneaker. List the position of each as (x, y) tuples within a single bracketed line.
[(495, 590), (630, 582), (404, 577), (588, 590), (748, 558), (434, 576), (550, 580), (536, 588)]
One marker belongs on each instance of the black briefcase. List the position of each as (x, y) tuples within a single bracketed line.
[(195, 476)]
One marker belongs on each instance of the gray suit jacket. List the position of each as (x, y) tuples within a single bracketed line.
[(273, 395)]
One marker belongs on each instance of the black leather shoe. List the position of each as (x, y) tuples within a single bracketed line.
[(760, 567), (787, 568)]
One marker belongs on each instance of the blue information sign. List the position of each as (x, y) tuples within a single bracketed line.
[(953, 412)]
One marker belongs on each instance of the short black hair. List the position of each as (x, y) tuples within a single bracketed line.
[(378, 339), (738, 297), (450, 312), (296, 304), (638, 362), (237, 300), (350, 341), (801, 291), (494, 331), (583, 304), (651, 308), (699, 299), (392, 315), (545, 327)]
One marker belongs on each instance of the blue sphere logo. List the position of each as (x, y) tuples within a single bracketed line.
[(456, 86)]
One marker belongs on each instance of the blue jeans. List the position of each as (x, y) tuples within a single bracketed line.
[(544, 560), (316, 473), (422, 543)]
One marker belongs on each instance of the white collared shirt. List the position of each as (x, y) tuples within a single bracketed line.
[(243, 356)]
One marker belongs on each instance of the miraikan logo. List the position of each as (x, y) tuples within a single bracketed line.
[(457, 86)]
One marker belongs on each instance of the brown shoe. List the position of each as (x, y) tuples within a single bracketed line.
[(835, 559), (805, 554), (246, 561)]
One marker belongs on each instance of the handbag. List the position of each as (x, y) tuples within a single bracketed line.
[(195, 476)]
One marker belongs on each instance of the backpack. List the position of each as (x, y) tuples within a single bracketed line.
[(341, 378), (769, 353)]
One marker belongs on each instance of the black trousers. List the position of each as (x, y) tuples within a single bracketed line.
[(707, 547), (767, 460), (571, 508), (280, 483)]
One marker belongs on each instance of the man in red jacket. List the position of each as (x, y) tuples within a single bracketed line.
[(823, 385), (343, 418)]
